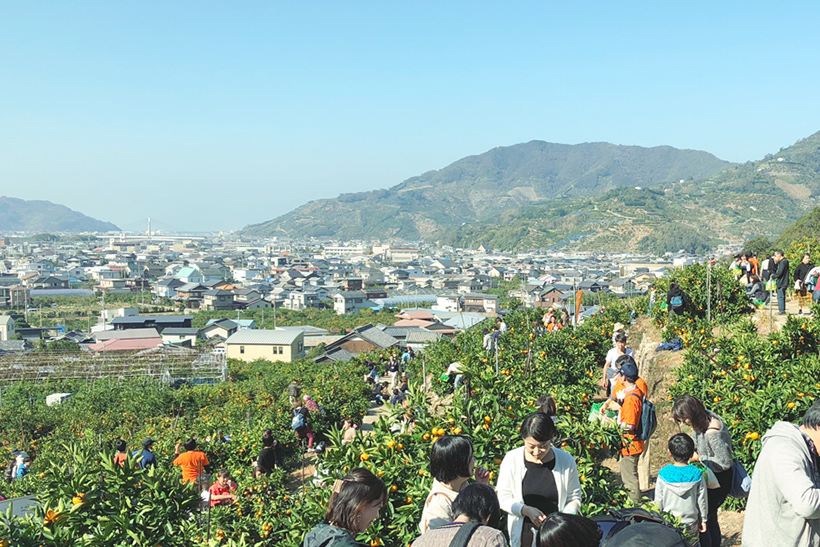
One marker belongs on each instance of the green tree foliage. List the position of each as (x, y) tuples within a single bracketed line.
[(673, 238), (88, 500), (728, 301), (807, 226), (759, 246)]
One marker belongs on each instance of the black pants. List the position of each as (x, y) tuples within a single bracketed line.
[(715, 499)]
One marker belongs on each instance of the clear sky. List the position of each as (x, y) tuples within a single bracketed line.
[(215, 115)]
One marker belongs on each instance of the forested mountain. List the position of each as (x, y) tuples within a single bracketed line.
[(757, 198), (17, 215), (478, 188), (588, 197)]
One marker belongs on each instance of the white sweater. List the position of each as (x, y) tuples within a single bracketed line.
[(511, 498)]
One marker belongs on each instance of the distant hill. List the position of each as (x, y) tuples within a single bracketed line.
[(755, 199), (807, 226), (489, 188), (17, 215)]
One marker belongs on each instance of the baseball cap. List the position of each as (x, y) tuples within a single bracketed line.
[(629, 370)]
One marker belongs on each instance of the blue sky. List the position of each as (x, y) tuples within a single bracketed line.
[(215, 115)]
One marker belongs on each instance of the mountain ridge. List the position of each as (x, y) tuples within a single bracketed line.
[(20, 215), (477, 187)]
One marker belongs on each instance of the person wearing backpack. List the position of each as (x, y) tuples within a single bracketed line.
[(475, 507), (11, 467), (617, 396), (629, 419), (301, 426), (452, 464), (676, 299), (713, 447)]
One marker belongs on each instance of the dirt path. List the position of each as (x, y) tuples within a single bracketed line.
[(656, 368)]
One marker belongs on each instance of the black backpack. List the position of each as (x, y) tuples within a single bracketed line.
[(648, 422), (636, 527)]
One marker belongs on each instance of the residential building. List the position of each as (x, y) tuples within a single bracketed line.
[(223, 328), (175, 335), (218, 299), (6, 327), (300, 300), (273, 345), (167, 288), (350, 302), (160, 322), (480, 303), (361, 339), (190, 275)]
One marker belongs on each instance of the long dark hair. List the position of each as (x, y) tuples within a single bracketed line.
[(351, 495), (687, 407)]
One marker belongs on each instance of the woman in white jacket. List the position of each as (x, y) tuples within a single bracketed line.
[(536, 480)]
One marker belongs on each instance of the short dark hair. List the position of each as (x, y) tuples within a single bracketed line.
[(620, 336), (120, 445), (223, 473), (450, 458), (619, 362), (565, 530), (477, 502), (681, 446), (811, 419), (687, 407), (359, 488), (190, 444), (267, 438), (778, 253), (546, 404), (539, 426)]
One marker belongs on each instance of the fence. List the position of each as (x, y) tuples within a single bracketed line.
[(172, 367)]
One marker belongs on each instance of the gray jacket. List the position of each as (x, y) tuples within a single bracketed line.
[(715, 446), (784, 503), (681, 490)]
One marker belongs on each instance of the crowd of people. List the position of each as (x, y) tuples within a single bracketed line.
[(773, 275), (539, 489)]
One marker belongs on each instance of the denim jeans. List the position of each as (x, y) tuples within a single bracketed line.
[(781, 299)]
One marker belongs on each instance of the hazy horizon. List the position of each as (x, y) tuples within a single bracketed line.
[(207, 117)]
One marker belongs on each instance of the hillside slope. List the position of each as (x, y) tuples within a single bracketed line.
[(477, 188), (18, 215), (757, 198)]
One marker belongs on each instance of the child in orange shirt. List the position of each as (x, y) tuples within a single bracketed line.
[(120, 456), (192, 461)]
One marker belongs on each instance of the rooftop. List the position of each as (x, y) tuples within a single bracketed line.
[(279, 337)]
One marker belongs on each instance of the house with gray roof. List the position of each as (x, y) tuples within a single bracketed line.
[(359, 340), (272, 345)]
